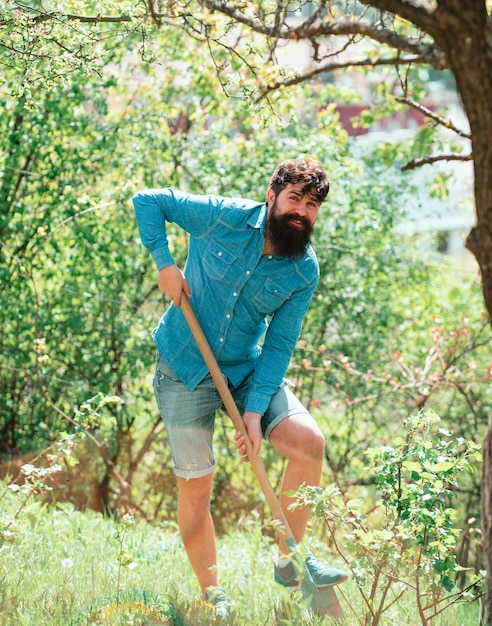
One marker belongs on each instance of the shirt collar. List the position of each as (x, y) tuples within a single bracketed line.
[(258, 219)]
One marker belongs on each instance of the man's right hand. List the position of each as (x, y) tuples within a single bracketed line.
[(252, 421), (172, 282)]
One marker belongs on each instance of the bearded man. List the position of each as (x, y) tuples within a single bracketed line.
[(248, 262)]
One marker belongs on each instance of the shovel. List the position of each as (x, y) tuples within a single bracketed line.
[(321, 601)]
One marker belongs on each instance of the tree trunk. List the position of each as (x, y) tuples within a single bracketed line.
[(465, 35), (487, 517)]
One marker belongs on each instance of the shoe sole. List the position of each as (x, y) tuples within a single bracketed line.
[(341, 580), (296, 586)]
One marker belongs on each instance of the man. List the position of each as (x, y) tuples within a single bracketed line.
[(247, 261)]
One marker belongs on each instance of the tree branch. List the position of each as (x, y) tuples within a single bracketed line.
[(437, 118), (84, 19), (417, 15), (311, 29), (330, 67), (429, 160), (68, 219)]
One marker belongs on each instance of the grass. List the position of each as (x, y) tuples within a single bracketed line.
[(62, 567)]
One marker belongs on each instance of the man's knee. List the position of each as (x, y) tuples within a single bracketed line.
[(195, 492), (318, 443), (299, 437), (313, 444)]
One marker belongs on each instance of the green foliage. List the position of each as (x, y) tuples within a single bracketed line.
[(403, 538), (70, 260), (51, 48), (22, 497), (78, 290), (124, 557), (67, 567), (416, 477), (368, 385)]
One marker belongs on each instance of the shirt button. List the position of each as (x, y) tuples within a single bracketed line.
[(221, 340), (270, 256), (228, 316), (235, 294), (248, 272), (220, 254)]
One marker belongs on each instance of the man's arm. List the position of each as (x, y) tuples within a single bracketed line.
[(278, 346), (155, 207), (271, 366)]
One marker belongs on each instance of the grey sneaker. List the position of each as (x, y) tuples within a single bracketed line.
[(322, 574), (216, 596)]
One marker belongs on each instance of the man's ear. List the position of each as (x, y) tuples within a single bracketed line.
[(270, 197)]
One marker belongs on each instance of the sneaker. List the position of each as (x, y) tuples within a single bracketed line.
[(286, 575), (322, 574), (216, 596)]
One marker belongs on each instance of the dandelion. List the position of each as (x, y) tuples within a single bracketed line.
[(67, 564)]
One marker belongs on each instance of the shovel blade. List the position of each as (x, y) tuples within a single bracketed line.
[(328, 604), (319, 601)]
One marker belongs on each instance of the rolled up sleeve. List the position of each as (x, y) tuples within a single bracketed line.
[(154, 207)]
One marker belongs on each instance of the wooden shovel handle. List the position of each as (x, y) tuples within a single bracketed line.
[(237, 420)]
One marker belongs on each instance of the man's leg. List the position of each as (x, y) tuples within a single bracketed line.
[(197, 528), (300, 440)]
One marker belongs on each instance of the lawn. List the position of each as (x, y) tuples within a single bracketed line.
[(61, 567)]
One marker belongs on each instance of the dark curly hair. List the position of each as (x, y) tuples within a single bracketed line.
[(308, 172)]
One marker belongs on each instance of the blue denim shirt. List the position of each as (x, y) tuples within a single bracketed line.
[(234, 290)]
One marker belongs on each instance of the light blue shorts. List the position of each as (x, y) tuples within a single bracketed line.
[(189, 417)]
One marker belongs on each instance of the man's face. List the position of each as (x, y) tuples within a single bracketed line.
[(291, 217)]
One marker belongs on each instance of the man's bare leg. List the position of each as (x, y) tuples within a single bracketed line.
[(299, 439), (197, 528)]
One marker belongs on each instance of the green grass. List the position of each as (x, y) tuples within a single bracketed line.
[(66, 568)]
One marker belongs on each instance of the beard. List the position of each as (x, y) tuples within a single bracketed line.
[(283, 231)]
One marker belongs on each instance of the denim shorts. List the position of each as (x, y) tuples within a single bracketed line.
[(189, 417)]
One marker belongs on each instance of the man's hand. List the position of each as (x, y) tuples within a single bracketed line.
[(172, 282), (252, 421)]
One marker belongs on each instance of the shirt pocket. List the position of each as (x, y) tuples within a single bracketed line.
[(217, 261), (270, 297)]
